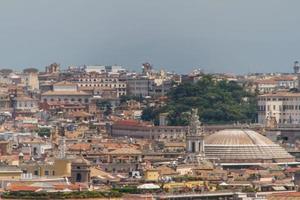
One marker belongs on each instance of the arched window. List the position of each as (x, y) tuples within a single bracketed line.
[(78, 177), (34, 151)]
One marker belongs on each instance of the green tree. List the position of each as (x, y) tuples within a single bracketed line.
[(30, 70), (218, 102), (44, 132), (105, 106)]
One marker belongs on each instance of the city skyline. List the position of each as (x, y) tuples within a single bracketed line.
[(213, 35)]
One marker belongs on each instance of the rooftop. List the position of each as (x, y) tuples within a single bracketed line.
[(237, 137), (66, 93), (282, 94)]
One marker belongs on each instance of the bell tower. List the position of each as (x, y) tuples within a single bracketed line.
[(195, 146)]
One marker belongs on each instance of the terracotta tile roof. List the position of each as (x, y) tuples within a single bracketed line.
[(130, 122), (284, 196), (79, 114), (125, 151), (80, 146), (266, 81), (285, 78), (15, 188), (115, 145), (96, 172), (63, 186), (292, 170)]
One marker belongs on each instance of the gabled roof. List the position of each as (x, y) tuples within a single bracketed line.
[(125, 151)]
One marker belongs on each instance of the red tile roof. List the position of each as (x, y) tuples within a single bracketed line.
[(130, 122), (15, 188), (80, 146), (63, 186)]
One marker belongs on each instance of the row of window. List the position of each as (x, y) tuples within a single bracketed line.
[(280, 107), (168, 130), (36, 172), (86, 100), (284, 121), (20, 104), (278, 99), (104, 85), (99, 80)]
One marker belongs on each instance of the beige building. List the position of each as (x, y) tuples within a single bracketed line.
[(31, 80), (25, 103), (136, 129), (10, 172), (284, 106), (101, 82), (56, 168), (66, 92)]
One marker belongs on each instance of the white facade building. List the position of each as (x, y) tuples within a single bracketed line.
[(284, 106), (67, 92), (25, 103), (101, 82), (101, 69)]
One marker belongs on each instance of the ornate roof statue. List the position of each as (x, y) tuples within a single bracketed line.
[(195, 127), (271, 121)]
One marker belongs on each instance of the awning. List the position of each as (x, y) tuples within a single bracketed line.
[(278, 188)]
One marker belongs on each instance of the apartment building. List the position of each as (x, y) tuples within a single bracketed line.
[(144, 86), (67, 92), (284, 106), (101, 82)]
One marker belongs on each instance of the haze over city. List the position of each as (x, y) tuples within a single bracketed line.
[(148, 99), (217, 36)]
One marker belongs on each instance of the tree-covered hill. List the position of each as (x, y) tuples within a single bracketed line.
[(217, 102)]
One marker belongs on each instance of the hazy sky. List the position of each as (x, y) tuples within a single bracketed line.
[(217, 35)]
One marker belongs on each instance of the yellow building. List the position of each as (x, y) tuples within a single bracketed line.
[(189, 184), (8, 172), (58, 168), (62, 167), (37, 168), (151, 175)]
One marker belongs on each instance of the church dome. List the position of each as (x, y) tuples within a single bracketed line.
[(243, 145)]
